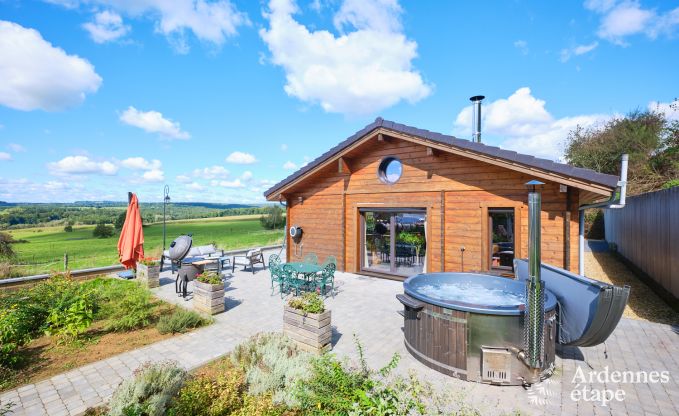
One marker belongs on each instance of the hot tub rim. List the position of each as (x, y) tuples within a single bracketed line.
[(550, 299)]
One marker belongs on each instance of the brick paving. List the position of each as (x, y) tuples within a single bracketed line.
[(366, 307)]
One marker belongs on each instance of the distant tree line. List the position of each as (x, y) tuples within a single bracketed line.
[(67, 215)]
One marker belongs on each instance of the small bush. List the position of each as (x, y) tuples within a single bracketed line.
[(132, 310), (13, 335), (149, 391), (102, 231), (273, 365), (68, 228), (180, 321), (309, 302), (272, 218), (72, 318), (218, 390)]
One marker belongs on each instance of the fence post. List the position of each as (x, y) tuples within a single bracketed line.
[(65, 262)]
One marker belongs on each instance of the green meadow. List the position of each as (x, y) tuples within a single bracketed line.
[(45, 247)]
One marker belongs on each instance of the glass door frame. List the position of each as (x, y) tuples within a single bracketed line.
[(392, 233)]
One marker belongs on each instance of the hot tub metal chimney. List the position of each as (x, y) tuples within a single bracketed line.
[(535, 288), (476, 117)]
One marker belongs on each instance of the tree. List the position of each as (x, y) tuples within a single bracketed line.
[(120, 221), (68, 228), (650, 139), (6, 250), (102, 231), (272, 217)]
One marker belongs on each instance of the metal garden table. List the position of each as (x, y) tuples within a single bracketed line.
[(308, 270)]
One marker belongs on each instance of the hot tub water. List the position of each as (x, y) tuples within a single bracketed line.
[(472, 293)]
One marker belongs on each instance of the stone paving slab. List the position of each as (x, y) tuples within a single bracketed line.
[(366, 308)]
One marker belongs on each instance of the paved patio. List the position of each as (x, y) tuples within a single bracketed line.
[(367, 307)]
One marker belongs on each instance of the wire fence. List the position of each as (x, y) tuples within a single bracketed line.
[(31, 265)]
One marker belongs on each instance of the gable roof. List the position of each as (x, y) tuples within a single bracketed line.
[(451, 142)]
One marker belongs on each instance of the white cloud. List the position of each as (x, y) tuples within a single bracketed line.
[(289, 165), (80, 165), (139, 163), (211, 172), (231, 184), (241, 158), (671, 110), (623, 18), (153, 175), (36, 75), (246, 176), (183, 179), (521, 123), (578, 50), (106, 27), (5, 156), (209, 21), (16, 147), (153, 122), (522, 46), (358, 72), (195, 186)]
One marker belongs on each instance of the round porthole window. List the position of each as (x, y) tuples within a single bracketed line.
[(390, 170)]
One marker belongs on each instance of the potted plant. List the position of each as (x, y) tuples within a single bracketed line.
[(148, 271), (307, 322), (208, 293)]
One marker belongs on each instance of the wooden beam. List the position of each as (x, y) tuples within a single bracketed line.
[(431, 152), (343, 165), (383, 138)]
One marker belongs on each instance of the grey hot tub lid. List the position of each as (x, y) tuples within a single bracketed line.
[(410, 288), (589, 310)]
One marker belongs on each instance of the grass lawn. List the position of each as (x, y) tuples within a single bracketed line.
[(47, 245)]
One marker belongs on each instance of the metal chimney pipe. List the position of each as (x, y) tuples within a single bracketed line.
[(535, 288), (476, 117)]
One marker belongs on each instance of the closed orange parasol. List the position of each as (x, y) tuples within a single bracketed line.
[(131, 242)]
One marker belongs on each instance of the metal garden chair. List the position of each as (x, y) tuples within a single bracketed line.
[(325, 278), (292, 281), (330, 260), (275, 268)]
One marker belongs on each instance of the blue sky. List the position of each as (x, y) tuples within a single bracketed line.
[(220, 100)]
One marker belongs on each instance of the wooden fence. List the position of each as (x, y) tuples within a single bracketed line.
[(646, 232)]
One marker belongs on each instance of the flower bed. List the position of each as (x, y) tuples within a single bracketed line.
[(62, 323), (269, 375)]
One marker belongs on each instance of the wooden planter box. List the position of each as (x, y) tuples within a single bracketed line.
[(208, 298), (149, 275), (311, 331)]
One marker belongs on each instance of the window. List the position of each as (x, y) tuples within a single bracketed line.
[(390, 170), (501, 226)]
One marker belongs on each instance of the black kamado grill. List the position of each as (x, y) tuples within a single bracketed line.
[(178, 251)]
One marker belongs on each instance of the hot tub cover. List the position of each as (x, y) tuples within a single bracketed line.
[(589, 310)]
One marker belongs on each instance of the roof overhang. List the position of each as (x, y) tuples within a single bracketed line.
[(278, 191)]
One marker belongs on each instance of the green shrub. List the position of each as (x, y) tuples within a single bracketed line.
[(68, 228), (180, 321), (69, 320), (13, 335), (336, 388), (272, 218), (102, 231), (132, 310), (148, 392), (310, 302), (670, 184), (273, 365), (217, 390)]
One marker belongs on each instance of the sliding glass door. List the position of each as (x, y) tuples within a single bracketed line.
[(394, 241)]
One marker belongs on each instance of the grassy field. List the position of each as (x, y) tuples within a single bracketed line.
[(47, 245)]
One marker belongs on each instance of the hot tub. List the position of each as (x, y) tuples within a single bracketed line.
[(470, 326)]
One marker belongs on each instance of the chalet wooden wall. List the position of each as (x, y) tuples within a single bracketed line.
[(464, 188)]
